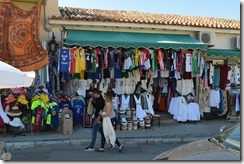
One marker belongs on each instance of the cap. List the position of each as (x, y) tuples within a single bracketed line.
[(10, 98), (22, 99)]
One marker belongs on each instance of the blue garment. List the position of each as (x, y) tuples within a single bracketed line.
[(54, 110), (64, 60), (78, 109), (95, 128), (63, 104), (216, 77), (117, 73)]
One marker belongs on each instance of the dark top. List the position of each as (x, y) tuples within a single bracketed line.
[(98, 104)]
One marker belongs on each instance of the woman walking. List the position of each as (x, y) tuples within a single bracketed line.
[(107, 129)]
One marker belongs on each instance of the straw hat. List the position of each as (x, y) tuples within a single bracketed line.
[(10, 98), (14, 111), (22, 99)]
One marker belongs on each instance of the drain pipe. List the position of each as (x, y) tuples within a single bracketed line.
[(48, 29)]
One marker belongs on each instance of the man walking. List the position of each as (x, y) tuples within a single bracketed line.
[(98, 104)]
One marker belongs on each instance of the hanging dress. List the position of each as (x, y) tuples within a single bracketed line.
[(140, 113), (149, 103), (125, 102)]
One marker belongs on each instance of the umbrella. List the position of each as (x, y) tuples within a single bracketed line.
[(11, 77)]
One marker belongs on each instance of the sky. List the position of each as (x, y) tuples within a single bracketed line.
[(229, 9)]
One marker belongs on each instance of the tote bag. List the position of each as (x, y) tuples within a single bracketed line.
[(90, 108)]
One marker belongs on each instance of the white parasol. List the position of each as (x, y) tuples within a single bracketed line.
[(11, 77)]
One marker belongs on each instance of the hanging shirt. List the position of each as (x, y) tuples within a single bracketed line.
[(188, 62), (54, 109), (92, 61), (105, 63), (77, 61), (64, 60), (72, 61), (161, 59), (82, 59), (194, 62), (136, 57), (111, 60), (153, 60), (180, 61), (78, 105)]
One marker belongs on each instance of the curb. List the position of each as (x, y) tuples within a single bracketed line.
[(83, 142)]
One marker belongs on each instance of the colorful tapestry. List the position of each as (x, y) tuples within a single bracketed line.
[(19, 37)]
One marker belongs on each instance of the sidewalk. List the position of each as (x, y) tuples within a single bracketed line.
[(169, 131)]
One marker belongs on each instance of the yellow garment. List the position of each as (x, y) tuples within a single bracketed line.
[(35, 104), (36, 97), (137, 56), (82, 74), (77, 61), (83, 59)]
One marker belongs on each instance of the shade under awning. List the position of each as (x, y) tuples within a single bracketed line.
[(224, 53), (132, 39)]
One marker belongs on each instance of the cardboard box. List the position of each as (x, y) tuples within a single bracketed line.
[(67, 121)]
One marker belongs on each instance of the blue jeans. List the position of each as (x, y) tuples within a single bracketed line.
[(95, 128)]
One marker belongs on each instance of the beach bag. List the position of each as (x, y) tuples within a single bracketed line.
[(90, 108)]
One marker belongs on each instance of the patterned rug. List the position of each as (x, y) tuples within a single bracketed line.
[(19, 37)]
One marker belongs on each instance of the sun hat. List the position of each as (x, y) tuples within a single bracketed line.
[(22, 99), (10, 98), (16, 122), (14, 111), (121, 110), (20, 90)]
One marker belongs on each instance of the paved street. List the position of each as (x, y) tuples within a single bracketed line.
[(143, 151)]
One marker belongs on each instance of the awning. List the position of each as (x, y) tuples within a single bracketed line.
[(132, 39), (224, 53)]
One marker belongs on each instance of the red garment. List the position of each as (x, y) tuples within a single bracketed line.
[(39, 114), (72, 61), (1, 122), (160, 59), (180, 61), (223, 76)]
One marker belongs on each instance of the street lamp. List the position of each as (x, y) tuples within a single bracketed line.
[(53, 45)]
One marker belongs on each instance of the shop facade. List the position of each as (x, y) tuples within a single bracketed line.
[(125, 54)]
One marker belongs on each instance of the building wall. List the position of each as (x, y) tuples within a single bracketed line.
[(223, 38)]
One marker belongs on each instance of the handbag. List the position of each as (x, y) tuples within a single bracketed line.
[(90, 108)]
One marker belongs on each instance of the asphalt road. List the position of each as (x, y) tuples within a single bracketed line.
[(131, 152)]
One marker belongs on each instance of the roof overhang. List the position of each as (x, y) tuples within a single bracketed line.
[(81, 23)]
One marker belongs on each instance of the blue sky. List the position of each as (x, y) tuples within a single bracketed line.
[(229, 9)]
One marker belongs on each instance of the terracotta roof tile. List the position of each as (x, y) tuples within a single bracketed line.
[(123, 16)]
